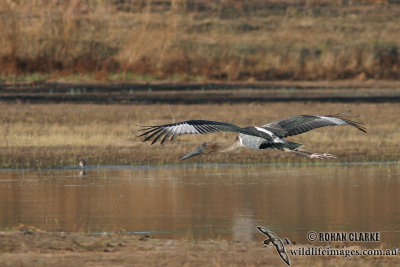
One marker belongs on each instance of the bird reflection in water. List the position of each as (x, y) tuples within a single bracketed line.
[(82, 165), (274, 240)]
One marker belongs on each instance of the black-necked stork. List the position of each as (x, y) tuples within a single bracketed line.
[(268, 136)]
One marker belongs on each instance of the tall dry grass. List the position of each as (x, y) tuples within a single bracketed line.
[(227, 40)]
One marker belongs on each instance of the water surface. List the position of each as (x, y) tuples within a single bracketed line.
[(207, 201)]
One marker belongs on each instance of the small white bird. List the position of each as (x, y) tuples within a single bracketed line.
[(82, 163)]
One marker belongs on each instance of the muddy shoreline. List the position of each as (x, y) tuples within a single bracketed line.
[(201, 93), (27, 247)]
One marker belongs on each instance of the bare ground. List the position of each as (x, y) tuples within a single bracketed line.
[(26, 247)]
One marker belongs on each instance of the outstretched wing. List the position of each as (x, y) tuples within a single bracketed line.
[(187, 127), (303, 123), (284, 256), (266, 232)]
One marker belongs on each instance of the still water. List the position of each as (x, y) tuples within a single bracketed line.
[(207, 201)]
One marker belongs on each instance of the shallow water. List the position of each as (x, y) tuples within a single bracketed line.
[(207, 201)]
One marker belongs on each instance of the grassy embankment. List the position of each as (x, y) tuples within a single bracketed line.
[(51, 135), (199, 40)]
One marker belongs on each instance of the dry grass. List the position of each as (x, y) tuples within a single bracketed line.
[(192, 40), (57, 135)]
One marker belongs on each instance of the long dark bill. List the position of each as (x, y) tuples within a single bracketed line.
[(198, 151)]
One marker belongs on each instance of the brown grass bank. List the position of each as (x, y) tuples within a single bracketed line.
[(56, 135), (199, 40)]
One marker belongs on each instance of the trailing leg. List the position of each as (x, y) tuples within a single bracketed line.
[(310, 155)]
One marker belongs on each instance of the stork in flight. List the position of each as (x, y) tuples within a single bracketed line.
[(268, 136)]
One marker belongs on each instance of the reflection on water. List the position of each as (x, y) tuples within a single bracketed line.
[(208, 201), (82, 172)]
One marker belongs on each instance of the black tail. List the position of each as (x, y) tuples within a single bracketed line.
[(281, 146), (291, 145)]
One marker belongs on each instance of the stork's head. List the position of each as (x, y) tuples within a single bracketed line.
[(205, 148)]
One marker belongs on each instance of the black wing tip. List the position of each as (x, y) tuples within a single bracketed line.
[(355, 124), (362, 129), (154, 132), (287, 261), (260, 228), (146, 126), (348, 118), (264, 230)]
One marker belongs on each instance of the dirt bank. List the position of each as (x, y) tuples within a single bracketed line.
[(26, 247)]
